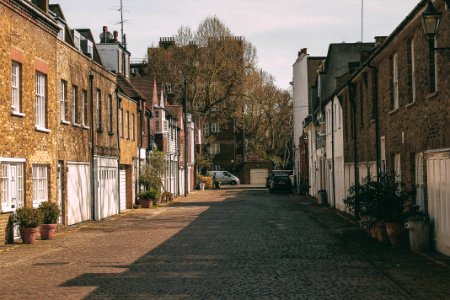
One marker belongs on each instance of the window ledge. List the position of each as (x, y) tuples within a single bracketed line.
[(65, 122), (42, 129), (76, 125), (85, 127), (17, 114), (432, 95), (393, 111), (410, 104)]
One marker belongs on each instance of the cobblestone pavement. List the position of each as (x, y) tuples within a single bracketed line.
[(226, 244)]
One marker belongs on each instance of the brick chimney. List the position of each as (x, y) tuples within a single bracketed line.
[(303, 51), (41, 4), (116, 36)]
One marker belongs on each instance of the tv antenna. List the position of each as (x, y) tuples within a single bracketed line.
[(124, 41)]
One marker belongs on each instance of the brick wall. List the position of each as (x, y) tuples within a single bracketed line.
[(128, 145)]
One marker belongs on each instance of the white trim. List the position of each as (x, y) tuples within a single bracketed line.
[(78, 163), (17, 114), (13, 160), (42, 129), (437, 150), (65, 122)]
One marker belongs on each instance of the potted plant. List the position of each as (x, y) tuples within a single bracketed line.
[(50, 213), (147, 198), (29, 220), (418, 226)]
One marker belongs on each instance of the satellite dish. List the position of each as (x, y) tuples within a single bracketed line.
[(106, 37)]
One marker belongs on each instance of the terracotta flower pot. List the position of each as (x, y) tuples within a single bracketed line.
[(395, 233), (28, 235), (48, 231), (146, 203)]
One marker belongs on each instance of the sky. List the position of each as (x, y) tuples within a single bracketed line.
[(277, 28)]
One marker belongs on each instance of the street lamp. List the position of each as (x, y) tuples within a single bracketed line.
[(431, 19)]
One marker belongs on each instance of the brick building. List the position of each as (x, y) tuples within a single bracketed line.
[(28, 114), (396, 116)]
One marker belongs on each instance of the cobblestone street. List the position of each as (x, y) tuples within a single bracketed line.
[(232, 243)]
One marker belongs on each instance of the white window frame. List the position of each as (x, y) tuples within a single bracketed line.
[(77, 40), (75, 115), (166, 125), (63, 100), (413, 72), (84, 108), (127, 121), (216, 168), (40, 184), (110, 114), (61, 32), (206, 129), (132, 127), (98, 96), (215, 127), (41, 92), (395, 81), (16, 82), (121, 123), (215, 148), (398, 167), (11, 189)]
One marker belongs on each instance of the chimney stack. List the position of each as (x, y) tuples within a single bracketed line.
[(116, 35), (379, 40), (303, 51)]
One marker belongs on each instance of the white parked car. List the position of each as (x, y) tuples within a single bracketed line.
[(225, 177)]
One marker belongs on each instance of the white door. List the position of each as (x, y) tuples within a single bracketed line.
[(123, 189), (60, 191), (107, 202), (258, 176), (438, 187), (78, 193)]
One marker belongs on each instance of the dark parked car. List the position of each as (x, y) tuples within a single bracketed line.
[(280, 182)]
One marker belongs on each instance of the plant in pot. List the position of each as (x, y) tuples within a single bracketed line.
[(418, 226), (50, 213), (147, 198), (150, 177), (29, 219)]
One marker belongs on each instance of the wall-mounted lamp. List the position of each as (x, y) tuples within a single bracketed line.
[(431, 19)]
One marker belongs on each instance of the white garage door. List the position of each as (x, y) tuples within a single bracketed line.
[(78, 193), (258, 176), (123, 190), (107, 203), (438, 174)]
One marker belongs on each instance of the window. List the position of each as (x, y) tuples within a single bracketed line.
[(361, 101), (432, 68), (215, 128), (16, 78), (11, 186), (77, 39), (395, 100), (216, 168), (75, 114), (121, 123), (110, 114), (127, 121), (166, 125), (84, 108), (132, 127), (411, 71), (40, 184), (63, 100), (41, 92), (157, 125), (99, 110), (205, 129), (215, 148), (61, 32)]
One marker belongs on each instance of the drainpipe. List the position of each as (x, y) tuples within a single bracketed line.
[(140, 118), (355, 144), (93, 196), (377, 120), (118, 148), (185, 139), (333, 175)]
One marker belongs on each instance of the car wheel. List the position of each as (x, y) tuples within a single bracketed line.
[(233, 182)]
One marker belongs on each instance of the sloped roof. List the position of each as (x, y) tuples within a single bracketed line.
[(144, 85), (127, 88)]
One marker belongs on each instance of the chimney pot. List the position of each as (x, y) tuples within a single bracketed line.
[(304, 50), (116, 35)]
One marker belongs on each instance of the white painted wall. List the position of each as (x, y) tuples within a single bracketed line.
[(300, 92)]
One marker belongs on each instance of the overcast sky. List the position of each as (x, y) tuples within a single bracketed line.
[(277, 28)]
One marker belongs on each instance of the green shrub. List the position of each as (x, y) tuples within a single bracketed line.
[(50, 212), (28, 217), (149, 194)]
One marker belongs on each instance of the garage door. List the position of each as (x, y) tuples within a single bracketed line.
[(78, 193), (107, 202), (258, 176), (438, 174), (123, 189)]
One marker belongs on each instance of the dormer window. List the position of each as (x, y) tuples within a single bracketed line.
[(77, 39), (61, 32)]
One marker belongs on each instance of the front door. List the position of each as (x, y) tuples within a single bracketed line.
[(12, 188)]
